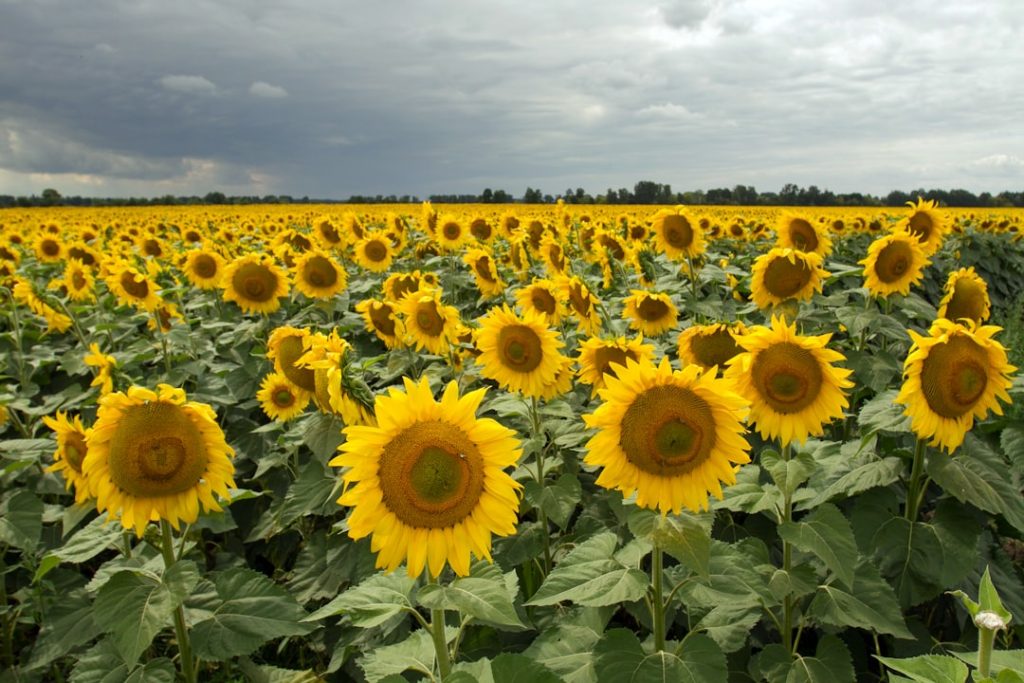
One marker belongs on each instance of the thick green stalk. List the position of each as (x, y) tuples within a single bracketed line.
[(188, 670), (444, 660), (986, 639), (787, 564), (657, 600), (914, 495), (542, 516)]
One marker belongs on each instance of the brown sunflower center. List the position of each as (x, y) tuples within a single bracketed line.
[(481, 229), (451, 230), (193, 236), (784, 278), (376, 250), (677, 231), (557, 258), (579, 299), (402, 285), (205, 266), (255, 282), (542, 300), (713, 349), (82, 255), (380, 316), (968, 301), (788, 377), (151, 247), (519, 348), (667, 431), (50, 247), (431, 475), (78, 280), (954, 376), (893, 262), (606, 355), (319, 272), (156, 450), (803, 235), (428, 319), (329, 233), (651, 309), (135, 285), (289, 350), (283, 398), (921, 225), (483, 268)]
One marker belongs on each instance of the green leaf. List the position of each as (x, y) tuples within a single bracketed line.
[(84, 544), (977, 476), (516, 668), (246, 610), (729, 625), (867, 476), (831, 663), (482, 595), (788, 474), (27, 450), (882, 413), (589, 576), (21, 520), (371, 603), (1012, 441), (415, 653), (827, 534), (749, 495), (102, 664), (910, 554), (685, 538), (68, 624), (732, 579), (929, 668), (558, 499), (566, 649), (1012, 660), (870, 604), (154, 671), (619, 656)]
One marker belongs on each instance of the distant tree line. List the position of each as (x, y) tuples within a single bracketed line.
[(643, 192)]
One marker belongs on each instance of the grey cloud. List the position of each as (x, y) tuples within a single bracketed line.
[(263, 89), (188, 84)]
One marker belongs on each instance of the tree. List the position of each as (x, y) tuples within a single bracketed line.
[(532, 196), (50, 197), (487, 196), (215, 198)]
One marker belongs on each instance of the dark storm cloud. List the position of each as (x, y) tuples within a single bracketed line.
[(333, 98)]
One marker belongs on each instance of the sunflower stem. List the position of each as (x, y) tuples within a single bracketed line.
[(986, 639), (693, 278), (19, 355), (787, 563), (914, 489), (188, 671), (542, 516), (444, 660), (657, 601)]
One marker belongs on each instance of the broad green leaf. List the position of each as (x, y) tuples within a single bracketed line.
[(1012, 441), (68, 625), (732, 579), (372, 602), (516, 668), (870, 604), (154, 671), (566, 649), (882, 413), (21, 520), (246, 610), (558, 499), (976, 475), (749, 495), (326, 563), (26, 450), (929, 668), (481, 595), (619, 656), (685, 538), (103, 664), (84, 544), (799, 581), (910, 554), (1012, 660), (827, 534), (867, 476), (831, 663), (788, 474), (589, 576), (730, 626), (416, 653)]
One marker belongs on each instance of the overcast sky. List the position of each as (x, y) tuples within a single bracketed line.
[(328, 98)]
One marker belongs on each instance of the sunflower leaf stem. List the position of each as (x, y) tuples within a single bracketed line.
[(657, 601), (19, 355), (74, 324), (914, 489), (188, 671)]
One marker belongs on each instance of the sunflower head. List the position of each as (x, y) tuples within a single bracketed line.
[(650, 313), (318, 276), (927, 223), (72, 440), (428, 322), (381, 318), (373, 252), (485, 271), (255, 283), (966, 297), (677, 234), (280, 399), (581, 303), (799, 233), (894, 264), (520, 353), (451, 234), (542, 297), (204, 268), (783, 274), (285, 347), (603, 358), (709, 346)]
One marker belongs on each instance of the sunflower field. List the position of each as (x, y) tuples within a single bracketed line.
[(502, 443)]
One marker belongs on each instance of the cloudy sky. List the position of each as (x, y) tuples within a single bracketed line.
[(329, 98)]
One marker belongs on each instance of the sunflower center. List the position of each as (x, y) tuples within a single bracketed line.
[(921, 225), (380, 316), (156, 450), (319, 272), (542, 300), (451, 230), (205, 266), (714, 349), (431, 475), (283, 398), (677, 231), (428, 319), (404, 284), (954, 376), (788, 377), (288, 353), (481, 229), (483, 268), (136, 288), (893, 262), (151, 247), (255, 282), (667, 431), (78, 280), (968, 301), (784, 278), (50, 248), (193, 236), (375, 250), (652, 309), (606, 355), (580, 303), (520, 348), (74, 451), (803, 235), (82, 255)]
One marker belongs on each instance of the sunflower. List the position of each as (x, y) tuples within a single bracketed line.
[(397, 286), (284, 348), (326, 356), (429, 323), (255, 283), (542, 297), (428, 218), (650, 312), (381, 318), (783, 274), (49, 248), (671, 437), (450, 233), (373, 252), (927, 223), (485, 272), (952, 375), (709, 346), (24, 294), (78, 281), (154, 456), (318, 276), (84, 253), (133, 288), (204, 268), (327, 234), (553, 255), (520, 353), (72, 437), (481, 230), (582, 303), (601, 357), (280, 399), (798, 232), (789, 380), (966, 297), (104, 365), (677, 234), (429, 482), (895, 262)]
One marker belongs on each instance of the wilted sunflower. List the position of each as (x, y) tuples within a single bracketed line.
[(798, 232), (429, 483), (677, 234), (542, 297), (485, 272), (966, 297), (671, 437), (520, 353), (155, 456), (650, 312), (373, 252), (104, 365), (952, 375), (326, 357), (204, 268), (255, 283), (133, 288), (71, 449), (429, 323), (789, 379), (582, 303), (285, 347), (927, 223), (783, 274), (709, 346), (381, 318), (600, 357), (318, 276), (894, 264), (280, 399)]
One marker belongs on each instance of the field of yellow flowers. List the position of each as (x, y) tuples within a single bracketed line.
[(511, 442)]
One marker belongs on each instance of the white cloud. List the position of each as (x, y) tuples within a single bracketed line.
[(263, 89), (105, 48), (188, 84), (998, 162)]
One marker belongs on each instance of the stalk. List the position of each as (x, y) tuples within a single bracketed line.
[(444, 660), (986, 639), (657, 602), (914, 494), (188, 671), (787, 564), (542, 516)]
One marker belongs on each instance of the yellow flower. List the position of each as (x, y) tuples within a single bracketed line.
[(280, 399), (670, 437), (677, 234), (784, 274), (927, 223), (953, 375), (709, 346), (429, 482), (78, 281), (327, 234), (485, 272), (650, 312), (255, 283), (72, 437), (373, 253), (798, 232), (582, 303), (49, 248), (318, 276), (132, 288), (326, 356), (966, 297), (894, 264), (380, 317), (285, 347), (520, 353), (450, 234), (599, 358), (23, 294), (204, 268), (789, 379), (543, 298), (429, 323), (104, 365), (155, 456), (397, 286)]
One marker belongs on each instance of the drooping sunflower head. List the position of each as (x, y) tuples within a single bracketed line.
[(485, 272), (156, 456), (318, 276), (677, 234), (953, 375), (966, 296), (428, 482), (927, 223), (133, 288), (482, 230), (520, 353), (581, 303), (255, 283), (895, 262), (327, 234), (783, 274), (381, 318), (602, 358), (280, 399), (284, 347), (709, 346), (84, 253), (337, 392), (789, 379), (373, 252), (397, 286), (542, 297), (204, 268), (428, 322), (798, 232), (650, 313), (673, 438), (72, 447), (78, 281)]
